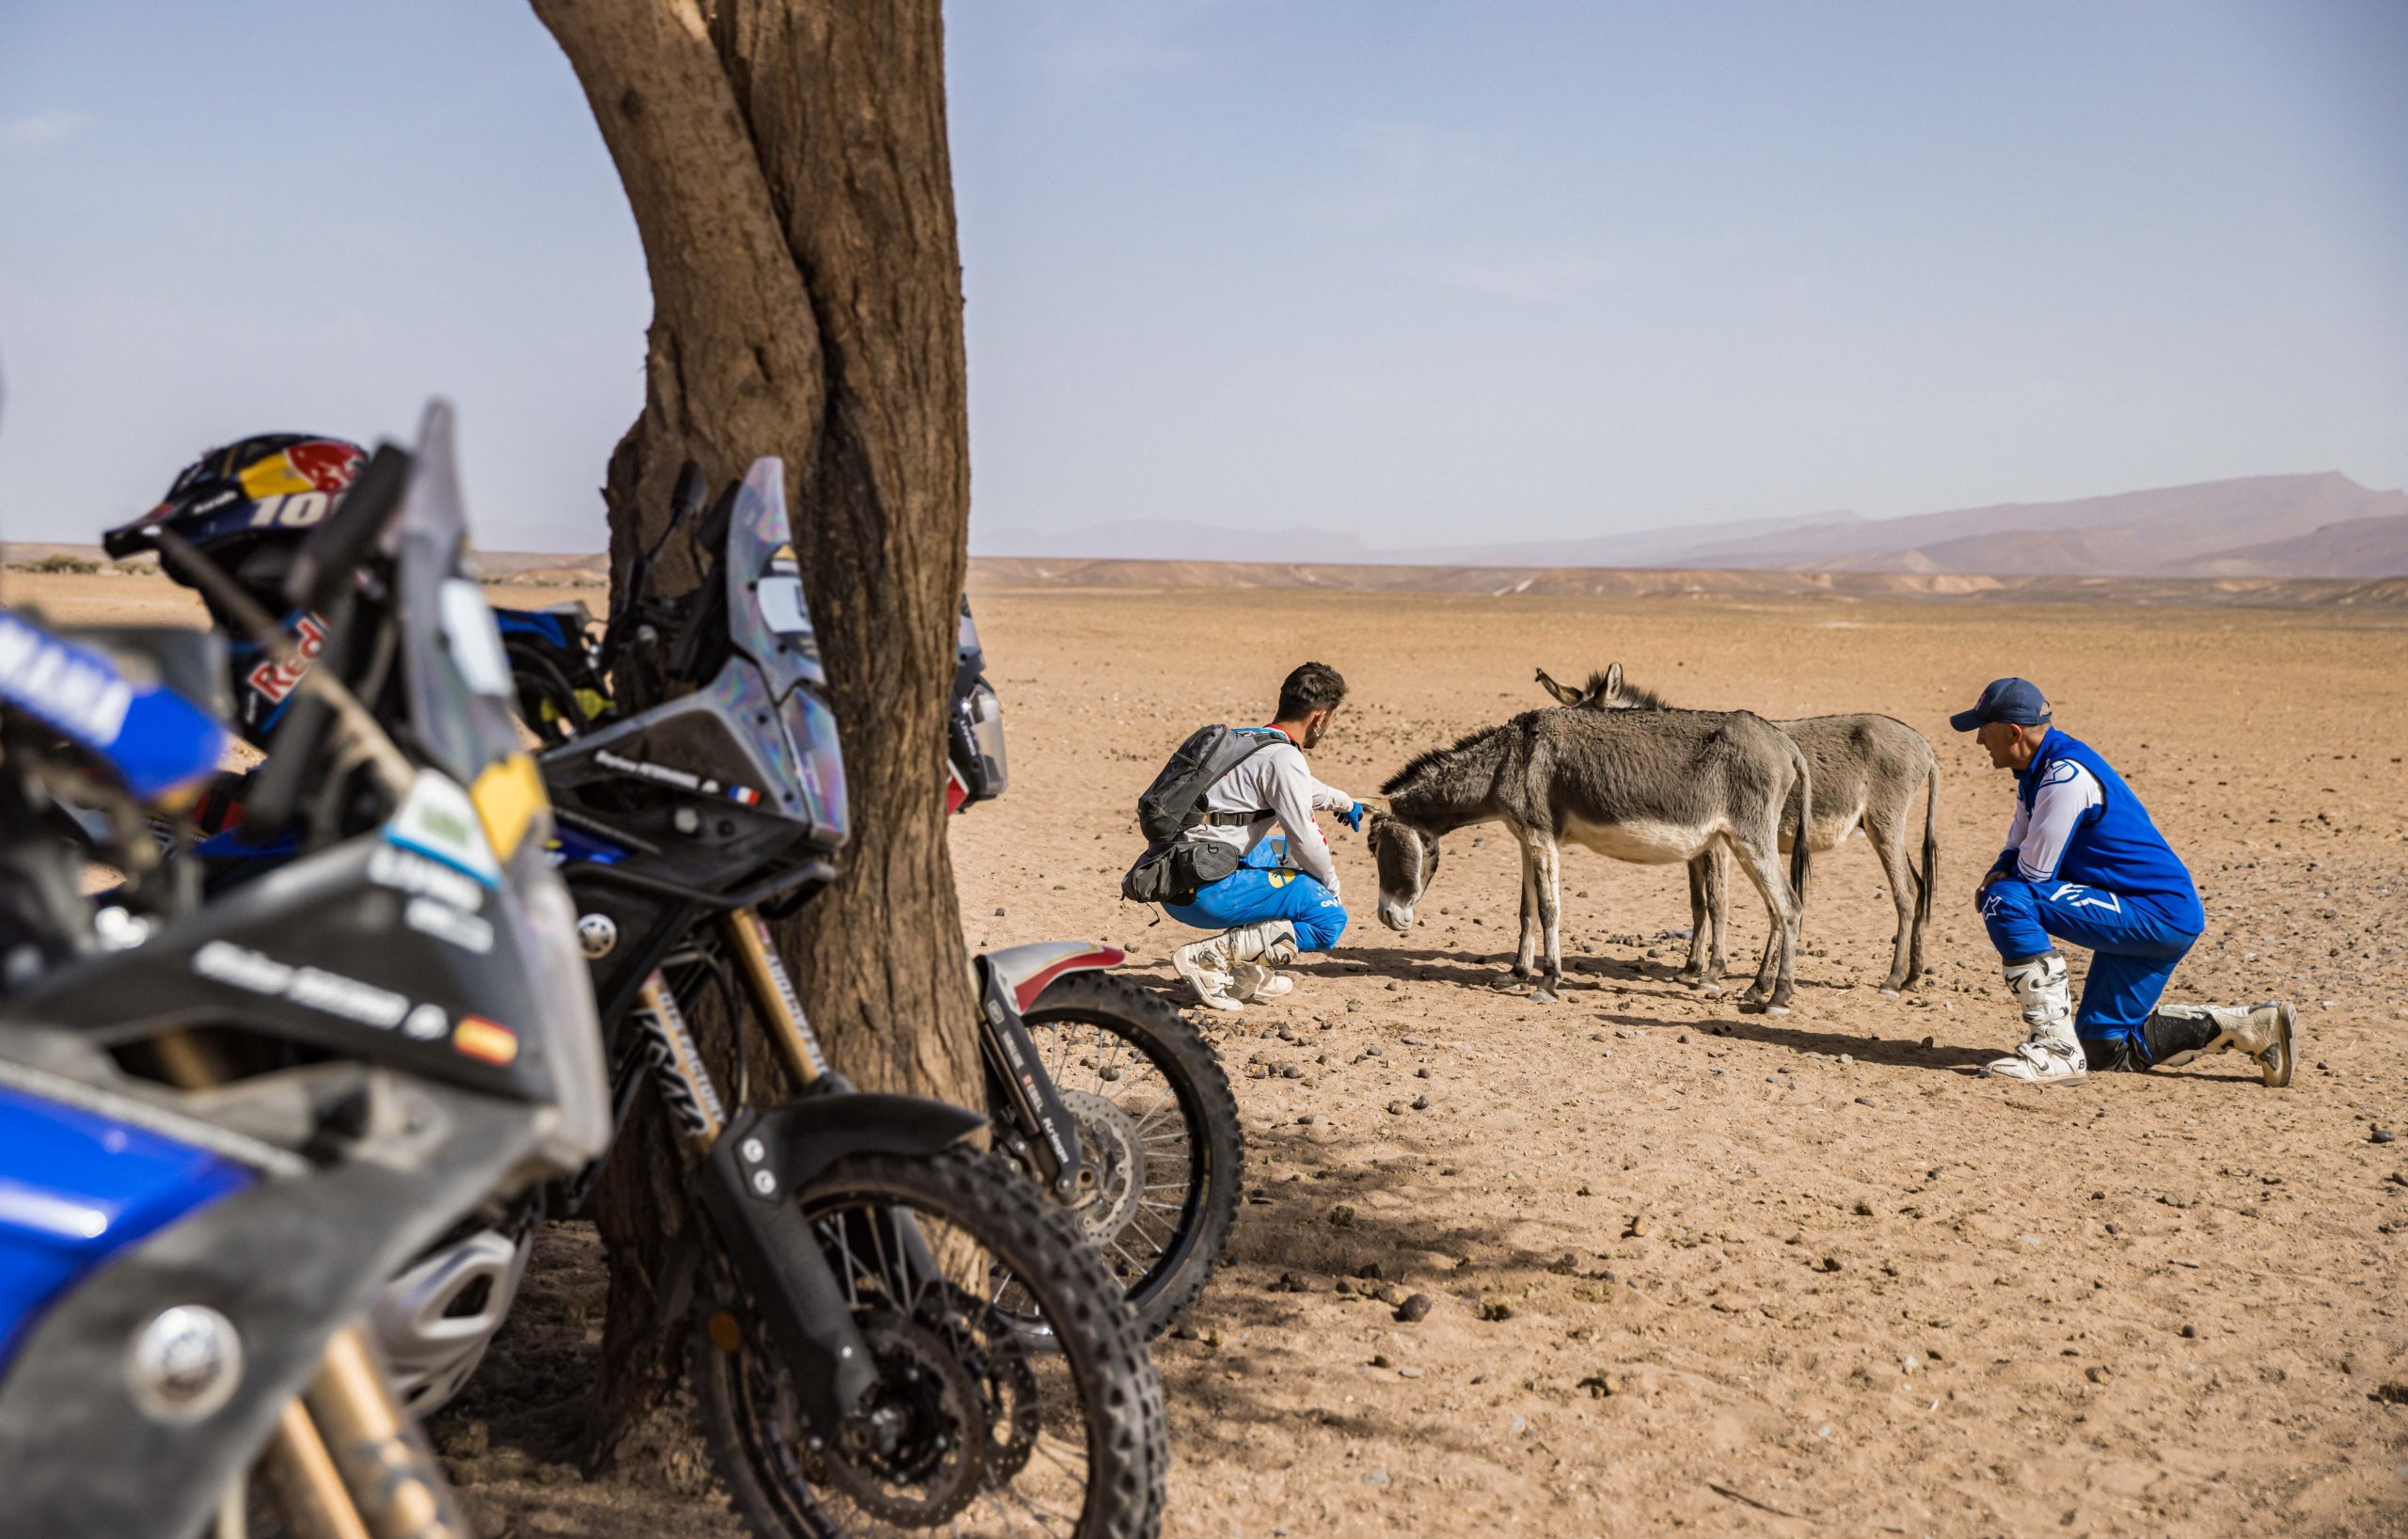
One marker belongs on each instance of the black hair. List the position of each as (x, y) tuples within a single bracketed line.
[(1313, 686)]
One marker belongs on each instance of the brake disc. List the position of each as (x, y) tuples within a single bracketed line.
[(912, 1456), (1111, 1147)]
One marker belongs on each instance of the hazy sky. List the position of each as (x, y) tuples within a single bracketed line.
[(1417, 271)]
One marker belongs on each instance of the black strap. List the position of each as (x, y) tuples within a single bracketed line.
[(1238, 819)]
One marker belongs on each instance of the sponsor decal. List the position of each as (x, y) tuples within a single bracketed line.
[(437, 819), (320, 464), (432, 916), (660, 773), (405, 871), (71, 689), (272, 680), (685, 1086), (679, 778), (313, 988), (776, 968), (2073, 895), (477, 1038), (327, 463)]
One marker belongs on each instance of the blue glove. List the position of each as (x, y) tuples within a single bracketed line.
[(1352, 818)]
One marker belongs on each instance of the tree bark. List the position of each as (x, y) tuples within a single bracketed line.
[(787, 165)]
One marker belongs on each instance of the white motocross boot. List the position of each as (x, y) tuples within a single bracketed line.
[(2268, 1033), (1253, 953), (2052, 1055), (1206, 966)]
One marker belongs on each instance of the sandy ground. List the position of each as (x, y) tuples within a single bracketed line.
[(1697, 1270)]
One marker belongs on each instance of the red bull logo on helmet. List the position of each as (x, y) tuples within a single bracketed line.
[(317, 465)]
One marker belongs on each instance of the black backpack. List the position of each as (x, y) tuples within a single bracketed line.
[(1172, 868)]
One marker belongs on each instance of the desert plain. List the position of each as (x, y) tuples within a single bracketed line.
[(1691, 1269)]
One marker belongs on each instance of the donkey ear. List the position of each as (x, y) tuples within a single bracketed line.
[(1613, 683), (1564, 694)]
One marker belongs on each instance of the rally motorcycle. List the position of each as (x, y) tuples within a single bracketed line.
[(1152, 1101), (225, 1124), (868, 1324), (1101, 1091)]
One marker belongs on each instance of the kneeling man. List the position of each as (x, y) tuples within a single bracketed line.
[(1283, 899), (2084, 865)]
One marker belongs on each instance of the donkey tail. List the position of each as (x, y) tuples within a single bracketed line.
[(1801, 798), (1928, 877)]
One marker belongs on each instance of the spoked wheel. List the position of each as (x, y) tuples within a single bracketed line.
[(1159, 1147), (974, 1427)]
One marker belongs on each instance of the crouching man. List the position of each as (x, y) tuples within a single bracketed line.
[(1269, 897), (2084, 865)]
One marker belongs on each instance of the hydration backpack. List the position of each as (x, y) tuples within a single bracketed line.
[(1172, 869), (1175, 802)]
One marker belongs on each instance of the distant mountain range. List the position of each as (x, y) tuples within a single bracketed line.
[(2322, 525)]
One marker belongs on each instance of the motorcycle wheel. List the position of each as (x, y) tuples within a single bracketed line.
[(1158, 1129), (980, 1429)]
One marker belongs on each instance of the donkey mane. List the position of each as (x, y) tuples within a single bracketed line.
[(1423, 761)]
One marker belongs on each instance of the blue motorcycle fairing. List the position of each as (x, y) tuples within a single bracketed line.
[(76, 1188), (156, 740)]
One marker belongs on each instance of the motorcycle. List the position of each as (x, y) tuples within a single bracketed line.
[(1156, 1120), (226, 1123), (1101, 1091), (871, 1294)]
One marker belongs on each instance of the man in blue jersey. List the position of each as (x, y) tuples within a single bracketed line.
[(2084, 865)]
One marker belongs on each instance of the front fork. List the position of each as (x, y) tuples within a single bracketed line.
[(770, 1244), (1040, 1131), (345, 1457), (350, 1462)]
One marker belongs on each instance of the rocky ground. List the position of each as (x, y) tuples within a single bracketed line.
[(1687, 1269)]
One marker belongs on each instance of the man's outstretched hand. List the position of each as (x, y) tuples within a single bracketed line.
[(1352, 818)]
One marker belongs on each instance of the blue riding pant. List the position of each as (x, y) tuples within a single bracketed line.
[(2135, 945), (1264, 889)]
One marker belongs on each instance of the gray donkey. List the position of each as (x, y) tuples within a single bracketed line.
[(1867, 770), (1652, 786)]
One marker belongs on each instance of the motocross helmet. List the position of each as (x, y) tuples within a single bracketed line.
[(248, 505)]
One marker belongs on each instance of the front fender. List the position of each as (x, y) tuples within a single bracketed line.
[(804, 1136), (748, 1184), (1024, 971)]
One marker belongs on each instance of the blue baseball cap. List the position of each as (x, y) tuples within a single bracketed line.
[(2016, 700)]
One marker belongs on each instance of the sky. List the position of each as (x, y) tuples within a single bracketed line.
[(1420, 273)]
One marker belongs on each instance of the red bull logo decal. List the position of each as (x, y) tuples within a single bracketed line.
[(320, 465), (272, 680)]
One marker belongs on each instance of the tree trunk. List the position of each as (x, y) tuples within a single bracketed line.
[(787, 165)]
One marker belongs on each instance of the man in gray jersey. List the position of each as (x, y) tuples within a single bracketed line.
[(1284, 897)]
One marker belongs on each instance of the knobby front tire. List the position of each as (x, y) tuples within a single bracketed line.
[(1001, 1432)]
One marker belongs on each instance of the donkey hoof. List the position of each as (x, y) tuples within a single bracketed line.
[(1889, 993), (1509, 983), (1776, 1010), (1543, 995), (1710, 989)]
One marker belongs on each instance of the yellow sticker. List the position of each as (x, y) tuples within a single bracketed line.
[(508, 795)]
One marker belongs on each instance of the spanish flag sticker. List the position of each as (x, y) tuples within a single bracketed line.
[(481, 1038)]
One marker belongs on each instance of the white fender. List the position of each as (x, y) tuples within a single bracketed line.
[(1025, 970)]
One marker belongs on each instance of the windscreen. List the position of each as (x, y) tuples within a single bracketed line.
[(769, 626), (457, 675)]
